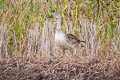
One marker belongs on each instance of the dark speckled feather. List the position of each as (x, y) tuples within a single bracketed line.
[(73, 40)]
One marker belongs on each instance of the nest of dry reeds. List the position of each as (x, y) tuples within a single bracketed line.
[(59, 68)]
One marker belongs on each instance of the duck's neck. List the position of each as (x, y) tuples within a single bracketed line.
[(59, 24)]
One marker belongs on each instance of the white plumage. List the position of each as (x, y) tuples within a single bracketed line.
[(60, 38)]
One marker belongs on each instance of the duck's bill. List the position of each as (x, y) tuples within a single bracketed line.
[(51, 16)]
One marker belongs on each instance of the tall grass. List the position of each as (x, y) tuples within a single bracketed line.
[(25, 29)]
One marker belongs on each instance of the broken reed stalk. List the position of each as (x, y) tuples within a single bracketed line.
[(89, 34), (4, 40), (116, 39)]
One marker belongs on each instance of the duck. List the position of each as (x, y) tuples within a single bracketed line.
[(63, 40)]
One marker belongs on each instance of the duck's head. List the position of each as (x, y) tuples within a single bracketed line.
[(55, 15)]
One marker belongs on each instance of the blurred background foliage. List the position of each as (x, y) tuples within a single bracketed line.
[(22, 15)]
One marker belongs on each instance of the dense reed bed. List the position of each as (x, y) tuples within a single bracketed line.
[(25, 29)]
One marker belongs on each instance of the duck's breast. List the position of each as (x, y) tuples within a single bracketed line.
[(60, 38)]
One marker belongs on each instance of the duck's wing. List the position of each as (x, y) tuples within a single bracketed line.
[(73, 40)]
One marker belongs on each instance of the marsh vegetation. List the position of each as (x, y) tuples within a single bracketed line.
[(27, 35)]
